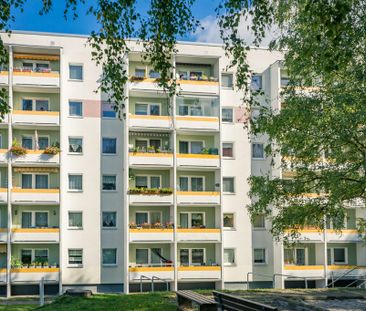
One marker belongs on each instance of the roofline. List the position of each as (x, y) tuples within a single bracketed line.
[(59, 34)]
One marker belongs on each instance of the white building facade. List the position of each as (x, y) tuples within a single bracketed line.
[(157, 199)]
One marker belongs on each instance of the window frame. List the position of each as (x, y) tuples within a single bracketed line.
[(149, 256), (190, 256), (252, 151), (265, 256), (261, 82), (190, 141), (148, 215), (264, 224), (82, 108), (294, 255), (234, 186), (82, 145), (34, 99), (332, 262), (116, 221), (110, 190), (34, 179), (232, 80), (234, 222), (190, 218), (33, 219), (110, 154), (68, 182), (82, 72), (149, 179), (228, 264), (75, 265), (68, 220), (33, 255), (109, 264), (149, 104), (190, 182), (232, 148)]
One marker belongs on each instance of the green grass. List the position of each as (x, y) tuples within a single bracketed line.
[(17, 307)]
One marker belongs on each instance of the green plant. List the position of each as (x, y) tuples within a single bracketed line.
[(137, 78), (205, 151), (169, 225), (166, 191), (133, 225), (146, 225), (15, 263), (135, 191), (157, 225), (17, 150), (53, 150)]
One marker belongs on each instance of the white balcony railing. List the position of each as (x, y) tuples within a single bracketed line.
[(198, 123), (34, 275), (151, 235), (142, 121), (200, 160), (23, 76), (151, 159), (151, 199), (199, 273), (198, 197), (51, 118), (37, 156), (197, 235), (47, 235), (165, 273), (30, 196)]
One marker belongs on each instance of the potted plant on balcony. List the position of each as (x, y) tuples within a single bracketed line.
[(169, 225), (15, 263), (32, 264), (204, 151), (45, 264), (157, 225), (166, 191), (133, 225), (145, 225), (53, 149), (17, 150), (135, 191), (137, 78), (151, 149)]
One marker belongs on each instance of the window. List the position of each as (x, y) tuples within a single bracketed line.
[(140, 72), (192, 147), (256, 83), (337, 256), (30, 104), (27, 104), (27, 142), (34, 255), (285, 81), (228, 150), (227, 115), (75, 220), (75, 145), (142, 256), (41, 105), (229, 256), (43, 142), (26, 256), (75, 182), (75, 257), (228, 184), (259, 256), (191, 219), (259, 222), (229, 220), (109, 182), (295, 256), (75, 109), (76, 72), (108, 111), (191, 183), (192, 256), (148, 182), (227, 80), (148, 217), (109, 219), (34, 219), (34, 181), (41, 255), (147, 109), (109, 256), (154, 74), (149, 256), (257, 151), (109, 145)]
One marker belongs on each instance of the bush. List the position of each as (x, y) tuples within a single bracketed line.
[(18, 150), (53, 150)]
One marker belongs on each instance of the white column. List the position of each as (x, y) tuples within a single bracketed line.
[(325, 237)]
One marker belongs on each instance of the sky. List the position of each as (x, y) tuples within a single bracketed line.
[(30, 20)]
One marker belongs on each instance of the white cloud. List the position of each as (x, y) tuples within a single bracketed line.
[(211, 32)]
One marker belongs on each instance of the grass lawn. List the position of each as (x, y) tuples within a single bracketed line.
[(17, 307)]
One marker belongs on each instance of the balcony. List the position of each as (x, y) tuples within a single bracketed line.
[(3, 195), (151, 196), (41, 118), (165, 272), (199, 234), (317, 271), (198, 197), (3, 275), (37, 235), (195, 113), (37, 157), (35, 196), (199, 273), (4, 77), (199, 160), (151, 234), (151, 159), (34, 275), (149, 121), (4, 155), (3, 235), (346, 235)]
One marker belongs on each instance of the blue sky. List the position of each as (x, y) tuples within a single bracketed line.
[(54, 21)]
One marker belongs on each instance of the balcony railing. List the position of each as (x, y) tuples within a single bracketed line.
[(31, 70)]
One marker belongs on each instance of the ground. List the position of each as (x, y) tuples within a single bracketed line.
[(286, 300)]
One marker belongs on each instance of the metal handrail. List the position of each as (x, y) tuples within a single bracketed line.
[(143, 277), (157, 278), (341, 276), (290, 276)]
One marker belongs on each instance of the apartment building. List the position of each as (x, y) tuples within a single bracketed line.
[(155, 200)]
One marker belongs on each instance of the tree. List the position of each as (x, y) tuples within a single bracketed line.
[(323, 42)]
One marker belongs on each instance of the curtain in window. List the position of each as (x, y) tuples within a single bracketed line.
[(141, 109), (75, 145), (75, 109), (196, 111), (26, 219), (227, 115), (289, 256), (229, 256), (183, 217), (41, 255), (75, 182), (227, 150), (155, 110), (75, 219), (141, 181), (300, 256), (196, 147), (41, 181), (75, 256), (142, 256), (259, 255), (197, 219), (184, 257), (228, 184), (228, 220), (26, 181), (109, 182), (109, 219), (27, 104), (257, 150), (76, 72)]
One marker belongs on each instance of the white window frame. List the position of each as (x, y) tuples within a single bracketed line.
[(149, 179), (149, 215), (68, 220), (190, 182), (68, 182), (234, 185), (223, 73), (109, 191), (149, 252), (294, 255), (140, 68), (232, 109), (73, 265), (34, 99), (190, 144), (110, 264), (33, 212), (190, 255), (39, 136), (82, 107), (251, 82), (34, 179), (148, 141), (148, 107), (190, 217), (265, 257), (35, 62), (33, 250), (110, 154), (110, 228), (332, 256), (82, 145), (230, 264), (234, 222), (233, 148), (257, 143), (260, 228), (108, 118), (82, 72)]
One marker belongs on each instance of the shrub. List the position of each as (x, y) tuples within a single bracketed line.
[(53, 150), (166, 191), (18, 150)]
